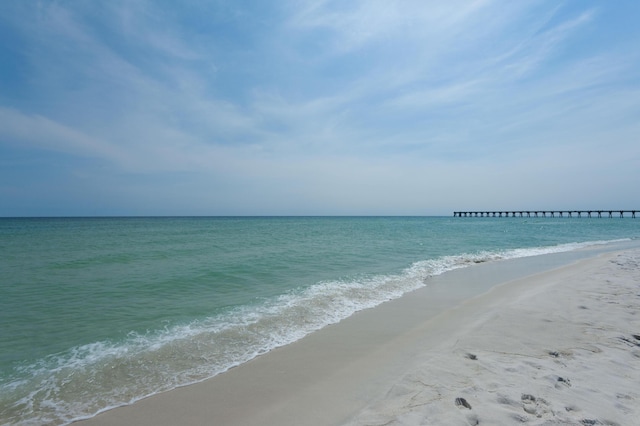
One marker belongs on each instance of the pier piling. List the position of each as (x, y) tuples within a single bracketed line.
[(544, 213)]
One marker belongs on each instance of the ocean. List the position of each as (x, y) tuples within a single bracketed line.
[(100, 312)]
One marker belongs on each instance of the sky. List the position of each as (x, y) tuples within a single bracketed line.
[(317, 107)]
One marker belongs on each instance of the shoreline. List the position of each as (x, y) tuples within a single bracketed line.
[(404, 360)]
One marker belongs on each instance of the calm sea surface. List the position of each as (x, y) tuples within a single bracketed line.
[(100, 312)]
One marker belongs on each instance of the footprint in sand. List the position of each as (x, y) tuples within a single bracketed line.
[(473, 420), (562, 382), (461, 402), (534, 406)]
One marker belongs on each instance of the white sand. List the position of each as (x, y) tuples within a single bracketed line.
[(559, 347)]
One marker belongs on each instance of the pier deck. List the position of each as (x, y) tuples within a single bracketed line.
[(546, 213)]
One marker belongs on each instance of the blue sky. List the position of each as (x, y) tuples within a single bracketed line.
[(317, 107)]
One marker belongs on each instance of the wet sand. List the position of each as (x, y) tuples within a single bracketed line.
[(499, 343)]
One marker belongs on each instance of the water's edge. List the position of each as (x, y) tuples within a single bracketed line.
[(492, 270)]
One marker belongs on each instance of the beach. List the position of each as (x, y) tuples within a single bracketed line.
[(539, 340)]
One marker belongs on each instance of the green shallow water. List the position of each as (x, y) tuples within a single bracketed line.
[(169, 301)]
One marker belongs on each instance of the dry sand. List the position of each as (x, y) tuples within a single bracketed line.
[(558, 347)]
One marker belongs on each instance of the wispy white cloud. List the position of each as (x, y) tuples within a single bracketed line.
[(458, 56), (40, 132), (335, 99), (357, 24), (533, 51)]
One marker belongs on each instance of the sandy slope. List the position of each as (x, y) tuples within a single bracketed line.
[(557, 348)]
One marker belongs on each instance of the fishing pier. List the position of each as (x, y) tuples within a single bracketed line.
[(548, 213)]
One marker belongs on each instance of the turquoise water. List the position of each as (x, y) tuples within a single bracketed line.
[(100, 312)]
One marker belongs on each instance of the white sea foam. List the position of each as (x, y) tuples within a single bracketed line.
[(92, 378)]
